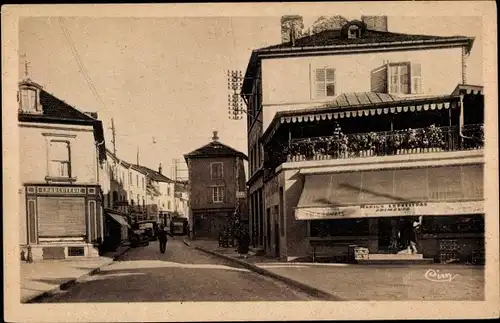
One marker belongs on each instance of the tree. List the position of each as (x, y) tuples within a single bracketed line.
[(327, 23), (289, 22)]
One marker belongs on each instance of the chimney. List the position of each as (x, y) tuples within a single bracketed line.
[(288, 23), (378, 23), (215, 137), (159, 169)]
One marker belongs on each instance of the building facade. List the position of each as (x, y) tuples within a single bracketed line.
[(355, 130), (62, 150), (216, 188)]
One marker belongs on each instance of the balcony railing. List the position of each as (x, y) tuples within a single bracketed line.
[(410, 141)]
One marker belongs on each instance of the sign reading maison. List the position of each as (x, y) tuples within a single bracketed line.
[(60, 190), (401, 208), (392, 209)]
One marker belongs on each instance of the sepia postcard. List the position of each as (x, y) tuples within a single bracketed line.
[(250, 162)]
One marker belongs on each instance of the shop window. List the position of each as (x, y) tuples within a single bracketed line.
[(341, 227), (59, 159), (453, 224)]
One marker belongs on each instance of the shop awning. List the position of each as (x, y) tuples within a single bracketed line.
[(118, 218), (400, 192)]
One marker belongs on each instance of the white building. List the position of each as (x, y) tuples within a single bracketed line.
[(346, 124)]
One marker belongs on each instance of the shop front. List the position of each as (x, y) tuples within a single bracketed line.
[(369, 208), (208, 224), (63, 221)]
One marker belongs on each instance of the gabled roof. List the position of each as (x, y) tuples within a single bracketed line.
[(154, 175), (213, 150), (333, 41), (118, 160)]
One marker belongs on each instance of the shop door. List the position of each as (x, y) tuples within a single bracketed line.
[(387, 234)]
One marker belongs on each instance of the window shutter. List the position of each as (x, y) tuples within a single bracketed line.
[(330, 81), (379, 81), (416, 78), (319, 83)]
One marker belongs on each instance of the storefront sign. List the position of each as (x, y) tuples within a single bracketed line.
[(387, 210), (61, 190), (241, 195)]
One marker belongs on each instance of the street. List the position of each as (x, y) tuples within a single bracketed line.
[(181, 274)]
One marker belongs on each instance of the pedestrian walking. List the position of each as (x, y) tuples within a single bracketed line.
[(163, 238)]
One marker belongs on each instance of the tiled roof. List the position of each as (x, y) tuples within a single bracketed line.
[(360, 98), (214, 149), (54, 107), (154, 175), (55, 110), (334, 40), (121, 161), (333, 37)]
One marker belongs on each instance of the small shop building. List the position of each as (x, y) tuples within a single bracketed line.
[(61, 150)]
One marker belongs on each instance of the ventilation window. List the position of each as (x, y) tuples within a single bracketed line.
[(76, 252)]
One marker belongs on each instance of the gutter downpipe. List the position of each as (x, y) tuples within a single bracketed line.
[(461, 119)]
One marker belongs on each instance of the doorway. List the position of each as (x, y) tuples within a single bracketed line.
[(277, 239), (388, 234)]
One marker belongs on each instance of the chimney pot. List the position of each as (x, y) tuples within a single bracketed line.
[(378, 23), (215, 137)]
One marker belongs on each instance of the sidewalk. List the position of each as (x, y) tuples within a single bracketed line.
[(369, 282), (44, 277)]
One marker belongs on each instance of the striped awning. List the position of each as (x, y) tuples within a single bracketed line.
[(468, 89), (364, 112), (358, 105), (118, 218)]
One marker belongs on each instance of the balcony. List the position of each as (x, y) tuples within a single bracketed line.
[(386, 143)]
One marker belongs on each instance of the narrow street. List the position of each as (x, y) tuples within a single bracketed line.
[(181, 274)]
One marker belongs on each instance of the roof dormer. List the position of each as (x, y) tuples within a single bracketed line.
[(353, 29), (29, 97)]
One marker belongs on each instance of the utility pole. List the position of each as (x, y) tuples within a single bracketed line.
[(113, 132)]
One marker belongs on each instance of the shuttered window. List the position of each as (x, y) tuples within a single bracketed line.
[(61, 217), (59, 156), (416, 78), (397, 78), (324, 82)]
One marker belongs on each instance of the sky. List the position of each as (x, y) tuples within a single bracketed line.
[(163, 80)]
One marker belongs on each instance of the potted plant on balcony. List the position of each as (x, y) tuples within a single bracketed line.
[(411, 141), (397, 142), (436, 138)]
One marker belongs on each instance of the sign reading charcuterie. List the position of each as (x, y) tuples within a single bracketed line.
[(60, 190)]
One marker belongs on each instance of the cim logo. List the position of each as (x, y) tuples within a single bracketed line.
[(436, 276)]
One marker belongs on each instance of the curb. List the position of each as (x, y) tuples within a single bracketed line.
[(301, 286), (69, 283)]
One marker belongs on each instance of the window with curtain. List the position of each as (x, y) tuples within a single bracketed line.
[(59, 159)]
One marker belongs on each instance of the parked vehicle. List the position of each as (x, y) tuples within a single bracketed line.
[(139, 238), (150, 228), (178, 226)]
